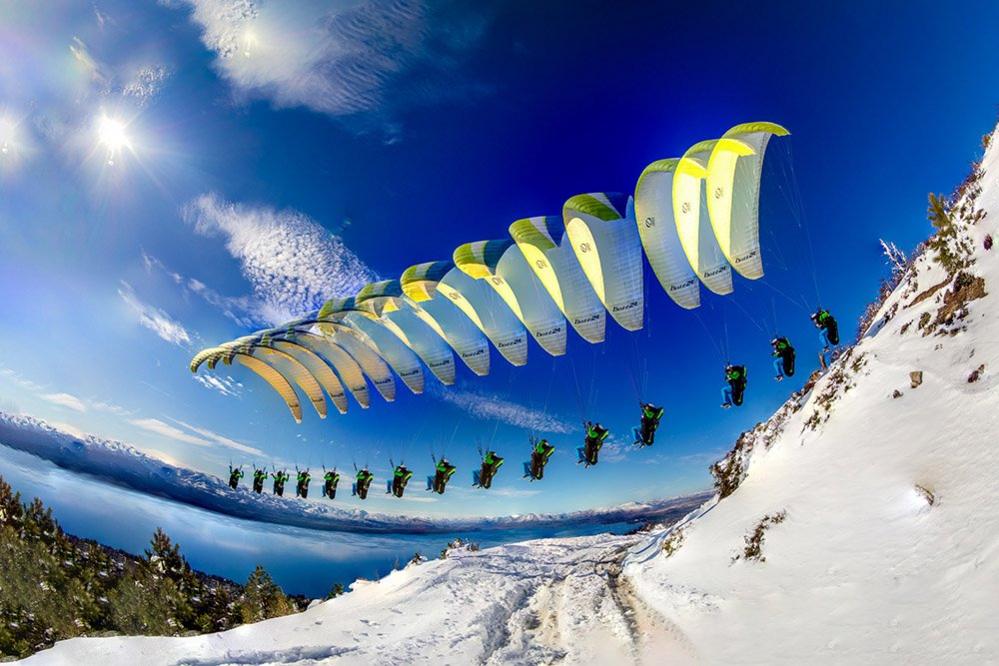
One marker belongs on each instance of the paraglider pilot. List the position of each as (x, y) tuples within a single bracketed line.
[(645, 434), (541, 451), (733, 392), (783, 354), (361, 483), (330, 481), (259, 476), (592, 443), (828, 332), (235, 474), (279, 481), (400, 477), (302, 483), (442, 474), (490, 465)]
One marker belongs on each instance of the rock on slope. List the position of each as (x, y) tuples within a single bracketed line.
[(860, 525)]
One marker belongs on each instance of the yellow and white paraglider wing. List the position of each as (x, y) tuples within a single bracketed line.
[(490, 314), (396, 353), (500, 265), (421, 284), (383, 301), (317, 363), (347, 368), (293, 369), (733, 187), (608, 248), (538, 311), (211, 355), (424, 341), (658, 232), (317, 366), (479, 261), (558, 270), (372, 365), (276, 381), (690, 211)]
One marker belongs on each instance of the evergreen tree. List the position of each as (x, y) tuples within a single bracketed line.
[(262, 598), (54, 586)]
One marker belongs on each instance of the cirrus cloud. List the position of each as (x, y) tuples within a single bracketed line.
[(343, 58), (506, 411), (292, 262), (156, 320)]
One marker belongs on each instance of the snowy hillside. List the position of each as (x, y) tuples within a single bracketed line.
[(859, 525), (126, 466)]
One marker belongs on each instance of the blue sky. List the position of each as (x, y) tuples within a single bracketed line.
[(279, 155)]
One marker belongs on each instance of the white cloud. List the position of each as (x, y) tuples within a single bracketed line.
[(94, 69), (513, 492), (66, 400), (166, 430), (221, 439), (243, 310), (293, 263), (225, 385), (506, 411), (200, 436), (155, 319), (109, 407), (145, 83), (616, 449), (342, 58), (17, 379)]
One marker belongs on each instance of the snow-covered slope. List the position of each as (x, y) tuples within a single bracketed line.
[(124, 465), (859, 525), (876, 500)]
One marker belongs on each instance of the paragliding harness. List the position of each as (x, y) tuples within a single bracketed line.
[(330, 481), (279, 479), (828, 335), (593, 442), (444, 472), (302, 485), (826, 323), (645, 435), (259, 476), (490, 465), (235, 474), (361, 483), (735, 375), (400, 477), (541, 451), (783, 354)]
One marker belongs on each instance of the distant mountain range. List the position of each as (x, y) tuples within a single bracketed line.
[(123, 465)]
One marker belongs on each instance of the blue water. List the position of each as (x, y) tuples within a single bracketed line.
[(302, 561)]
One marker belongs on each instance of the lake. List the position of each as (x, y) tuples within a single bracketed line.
[(302, 561)]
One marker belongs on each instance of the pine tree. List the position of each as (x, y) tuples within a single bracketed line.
[(946, 232), (262, 598), (335, 591)]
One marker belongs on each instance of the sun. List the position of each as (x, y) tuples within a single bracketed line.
[(112, 135), (8, 131)]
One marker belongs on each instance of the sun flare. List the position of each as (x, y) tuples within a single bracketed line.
[(112, 135)]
